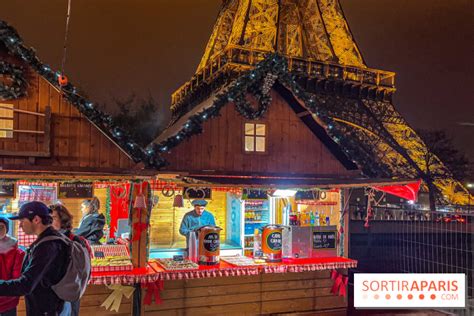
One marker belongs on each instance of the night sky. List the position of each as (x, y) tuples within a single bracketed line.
[(117, 47)]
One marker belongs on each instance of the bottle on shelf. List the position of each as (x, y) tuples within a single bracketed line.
[(311, 218), (257, 243), (316, 218), (322, 220)]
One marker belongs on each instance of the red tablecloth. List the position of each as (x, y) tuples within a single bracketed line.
[(227, 269), (222, 269), (155, 272), (309, 264)]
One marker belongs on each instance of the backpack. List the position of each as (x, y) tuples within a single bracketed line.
[(74, 282)]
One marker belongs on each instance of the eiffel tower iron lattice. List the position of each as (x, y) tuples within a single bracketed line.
[(321, 53)]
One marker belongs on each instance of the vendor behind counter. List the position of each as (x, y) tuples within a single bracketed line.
[(196, 218)]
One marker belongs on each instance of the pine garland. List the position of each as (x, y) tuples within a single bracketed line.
[(259, 82), (108, 206), (18, 87), (14, 44)]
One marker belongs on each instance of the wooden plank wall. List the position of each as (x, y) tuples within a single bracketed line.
[(75, 142), (166, 219), (94, 296), (291, 146), (245, 295), (249, 295)]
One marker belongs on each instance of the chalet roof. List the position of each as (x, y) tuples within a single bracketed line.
[(103, 121), (290, 182), (369, 132)]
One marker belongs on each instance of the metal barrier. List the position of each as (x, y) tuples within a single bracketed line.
[(411, 241)]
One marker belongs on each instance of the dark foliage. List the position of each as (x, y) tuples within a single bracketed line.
[(442, 146), (142, 118)]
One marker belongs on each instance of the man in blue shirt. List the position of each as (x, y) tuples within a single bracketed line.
[(196, 218)]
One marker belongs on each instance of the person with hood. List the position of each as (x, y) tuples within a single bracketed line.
[(62, 222), (92, 223), (45, 263), (11, 258)]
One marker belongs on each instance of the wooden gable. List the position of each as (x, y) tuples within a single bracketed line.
[(51, 135), (292, 148)]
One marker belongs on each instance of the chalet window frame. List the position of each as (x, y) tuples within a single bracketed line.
[(255, 136), (7, 115)]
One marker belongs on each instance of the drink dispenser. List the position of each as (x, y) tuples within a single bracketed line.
[(272, 239), (209, 245)]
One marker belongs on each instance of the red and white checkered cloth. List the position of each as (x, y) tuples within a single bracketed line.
[(109, 251), (112, 268), (43, 194)]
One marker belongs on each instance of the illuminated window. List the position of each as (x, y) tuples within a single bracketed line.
[(255, 137), (6, 120)]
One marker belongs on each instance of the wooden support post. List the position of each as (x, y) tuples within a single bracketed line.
[(345, 201), (139, 245), (139, 218)]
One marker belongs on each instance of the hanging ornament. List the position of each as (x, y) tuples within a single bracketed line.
[(140, 200), (168, 190), (371, 201), (62, 80), (178, 201), (119, 191)]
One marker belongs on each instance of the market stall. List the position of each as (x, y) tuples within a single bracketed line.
[(57, 146)]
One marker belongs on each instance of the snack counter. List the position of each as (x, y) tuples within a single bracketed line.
[(248, 287), (236, 285), (241, 266)]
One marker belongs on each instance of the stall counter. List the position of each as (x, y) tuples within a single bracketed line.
[(290, 286)]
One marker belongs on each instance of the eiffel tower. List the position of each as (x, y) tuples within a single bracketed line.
[(314, 38)]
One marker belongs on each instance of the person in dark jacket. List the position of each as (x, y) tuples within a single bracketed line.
[(92, 223), (62, 222), (11, 258), (44, 265)]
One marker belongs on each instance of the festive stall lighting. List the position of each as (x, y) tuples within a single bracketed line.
[(284, 193)]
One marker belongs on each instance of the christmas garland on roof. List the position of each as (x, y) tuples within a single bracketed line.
[(259, 82), (14, 44), (18, 87)]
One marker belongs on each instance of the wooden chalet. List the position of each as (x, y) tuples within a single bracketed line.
[(282, 99), (48, 129), (52, 138)]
